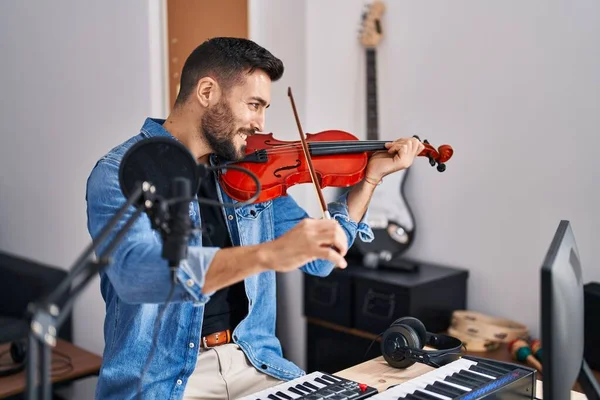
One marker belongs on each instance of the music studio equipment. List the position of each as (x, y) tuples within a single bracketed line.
[(467, 378), (402, 345), (591, 328), (316, 385), (501, 330), (482, 333), (157, 176), (17, 351), (455, 374), (521, 351), (390, 215), (536, 349)]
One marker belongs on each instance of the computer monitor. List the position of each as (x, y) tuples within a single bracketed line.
[(562, 320)]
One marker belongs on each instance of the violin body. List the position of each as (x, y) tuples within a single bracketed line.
[(339, 159), (285, 165)]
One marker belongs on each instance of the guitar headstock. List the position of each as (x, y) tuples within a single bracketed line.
[(370, 31)]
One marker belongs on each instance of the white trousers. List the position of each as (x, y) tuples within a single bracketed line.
[(223, 372)]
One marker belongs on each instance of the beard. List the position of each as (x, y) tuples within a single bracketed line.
[(218, 125)]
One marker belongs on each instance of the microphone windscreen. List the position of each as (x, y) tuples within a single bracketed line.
[(157, 160)]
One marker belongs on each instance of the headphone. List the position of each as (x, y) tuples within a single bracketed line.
[(18, 353), (402, 345)]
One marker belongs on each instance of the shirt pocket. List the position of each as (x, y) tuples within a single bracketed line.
[(253, 211)]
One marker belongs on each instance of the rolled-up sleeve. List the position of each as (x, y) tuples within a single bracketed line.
[(338, 210), (288, 213), (136, 269)]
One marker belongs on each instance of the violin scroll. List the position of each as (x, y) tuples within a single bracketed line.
[(439, 156)]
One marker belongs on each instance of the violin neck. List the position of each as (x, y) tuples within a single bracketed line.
[(345, 147)]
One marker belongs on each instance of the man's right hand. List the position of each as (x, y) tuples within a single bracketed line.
[(309, 240)]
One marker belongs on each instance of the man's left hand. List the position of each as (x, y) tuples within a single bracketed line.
[(400, 155)]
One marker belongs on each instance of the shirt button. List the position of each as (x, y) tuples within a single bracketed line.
[(230, 217), (179, 381), (189, 282), (191, 345)]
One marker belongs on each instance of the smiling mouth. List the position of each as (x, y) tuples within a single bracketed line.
[(245, 134)]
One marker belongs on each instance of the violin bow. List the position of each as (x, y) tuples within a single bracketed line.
[(311, 169)]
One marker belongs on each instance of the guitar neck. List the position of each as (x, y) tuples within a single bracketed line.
[(372, 117)]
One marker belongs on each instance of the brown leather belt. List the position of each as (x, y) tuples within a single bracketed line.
[(215, 339)]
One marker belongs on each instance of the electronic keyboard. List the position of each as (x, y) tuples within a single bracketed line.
[(316, 385), (467, 378)]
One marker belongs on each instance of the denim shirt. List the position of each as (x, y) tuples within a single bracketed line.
[(137, 281)]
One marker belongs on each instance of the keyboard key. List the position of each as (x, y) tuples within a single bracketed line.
[(452, 389), (438, 390), (486, 371), (283, 395)]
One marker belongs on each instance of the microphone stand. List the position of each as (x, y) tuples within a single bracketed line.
[(46, 317)]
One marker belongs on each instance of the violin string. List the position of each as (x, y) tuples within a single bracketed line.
[(325, 146), (319, 149), (328, 146), (334, 143)]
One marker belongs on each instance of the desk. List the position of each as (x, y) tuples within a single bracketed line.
[(69, 363), (378, 374)]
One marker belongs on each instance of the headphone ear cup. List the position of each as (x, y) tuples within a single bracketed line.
[(397, 340), (18, 351), (417, 326)]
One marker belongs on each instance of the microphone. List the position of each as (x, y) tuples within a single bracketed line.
[(175, 239), (173, 176)]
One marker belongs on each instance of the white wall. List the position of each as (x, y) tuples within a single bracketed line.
[(77, 78), (514, 87), (280, 27)]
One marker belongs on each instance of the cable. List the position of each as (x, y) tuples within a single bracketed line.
[(157, 324), (224, 204), (373, 341), (64, 361)]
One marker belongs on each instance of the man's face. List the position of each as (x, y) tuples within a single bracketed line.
[(239, 113)]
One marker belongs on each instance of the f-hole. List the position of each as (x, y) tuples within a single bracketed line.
[(278, 175)]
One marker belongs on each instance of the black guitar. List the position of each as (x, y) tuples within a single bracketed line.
[(390, 216)]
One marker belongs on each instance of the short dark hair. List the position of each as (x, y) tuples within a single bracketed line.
[(225, 59)]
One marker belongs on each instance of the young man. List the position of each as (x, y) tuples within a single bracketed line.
[(217, 335)]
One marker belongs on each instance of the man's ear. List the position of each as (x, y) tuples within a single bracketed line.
[(208, 91)]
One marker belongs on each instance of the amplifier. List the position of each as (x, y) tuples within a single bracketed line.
[(592, 324)]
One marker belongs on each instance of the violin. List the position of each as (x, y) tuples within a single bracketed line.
[(339, 159)]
